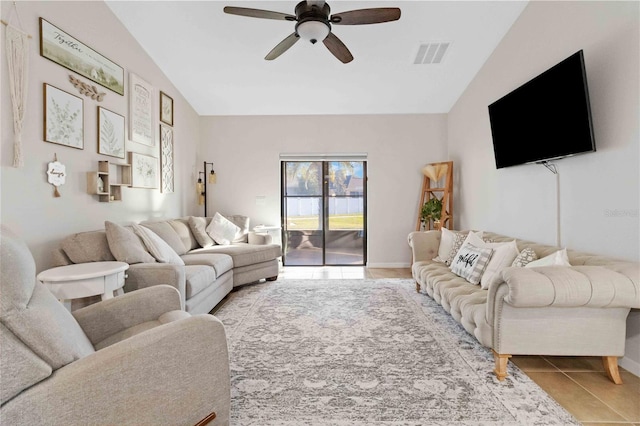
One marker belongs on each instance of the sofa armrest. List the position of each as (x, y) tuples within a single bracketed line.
[(106, 318), (260, 238), (564, 286), (424, 245), (177, 373), (143, 275)]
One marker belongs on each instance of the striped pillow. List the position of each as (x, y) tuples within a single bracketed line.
[(470, 262)]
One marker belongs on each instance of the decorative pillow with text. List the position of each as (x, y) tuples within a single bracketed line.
[(470, 262)]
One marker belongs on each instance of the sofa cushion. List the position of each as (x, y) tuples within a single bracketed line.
[(198, 226), (125, 245), (242, 222), (222, 230), (165, 231), (31, 312), (198, 277), (245, 254), (181, 226), (86, 247), (20, 368), (220, 262), (158, 247)]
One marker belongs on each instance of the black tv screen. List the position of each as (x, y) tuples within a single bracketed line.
[(548, 117)]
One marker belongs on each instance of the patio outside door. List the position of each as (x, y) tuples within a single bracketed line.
[(324, 213)]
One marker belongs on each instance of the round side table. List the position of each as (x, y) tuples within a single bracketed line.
[(84, 280)]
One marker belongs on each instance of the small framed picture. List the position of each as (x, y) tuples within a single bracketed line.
[(63, 118), (141, 119), (144, 170), (110, 133), (166, 108)]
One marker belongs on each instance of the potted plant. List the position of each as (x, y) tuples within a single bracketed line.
[(431, 210)]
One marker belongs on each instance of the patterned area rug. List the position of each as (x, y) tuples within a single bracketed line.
[(366, 352)]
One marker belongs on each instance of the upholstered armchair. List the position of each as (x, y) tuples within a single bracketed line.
[(135, 359)]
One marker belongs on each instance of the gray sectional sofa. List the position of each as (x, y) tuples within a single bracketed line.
[(208, 274), (576, 310)]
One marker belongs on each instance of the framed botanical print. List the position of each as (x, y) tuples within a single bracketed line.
[(140, 110), (63, 118), (144, 170), (111, 137), (166, 108), (166, 159)]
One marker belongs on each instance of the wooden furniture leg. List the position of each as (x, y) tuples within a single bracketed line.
[(272, 278), (611, 368), (206, 420), (417, 287), (501, 365)]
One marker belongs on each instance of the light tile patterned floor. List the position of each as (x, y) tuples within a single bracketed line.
[(579, 384)]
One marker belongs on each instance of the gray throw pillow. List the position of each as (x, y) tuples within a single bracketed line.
[(125, 245), (470, 262), (198, 227), (526, 256)]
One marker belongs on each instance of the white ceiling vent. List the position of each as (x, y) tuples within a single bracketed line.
[(431, 53)]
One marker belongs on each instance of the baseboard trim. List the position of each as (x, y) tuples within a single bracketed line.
[(630, 365), (388, 265)]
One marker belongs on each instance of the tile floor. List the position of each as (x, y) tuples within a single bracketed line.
[(579, 384)]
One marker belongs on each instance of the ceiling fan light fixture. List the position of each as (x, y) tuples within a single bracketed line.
[(313, 31)]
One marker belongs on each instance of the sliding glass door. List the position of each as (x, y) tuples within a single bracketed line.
[(324, 212)]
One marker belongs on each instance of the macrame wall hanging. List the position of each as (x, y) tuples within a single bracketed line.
[(17, 48)]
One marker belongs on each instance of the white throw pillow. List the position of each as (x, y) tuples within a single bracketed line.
[(222, 230), (446, 245), (470, 262), (558, 258), (157, 246), (503, 256)]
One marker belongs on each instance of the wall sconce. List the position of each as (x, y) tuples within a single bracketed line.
[(201, 186)]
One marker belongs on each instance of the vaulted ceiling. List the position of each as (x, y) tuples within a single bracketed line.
[(216, 60)]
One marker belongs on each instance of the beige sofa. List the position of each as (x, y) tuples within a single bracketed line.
[(208, 275), (136, 359), (577, 310)]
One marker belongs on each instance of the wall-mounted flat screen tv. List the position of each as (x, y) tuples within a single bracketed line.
[(547, 118)]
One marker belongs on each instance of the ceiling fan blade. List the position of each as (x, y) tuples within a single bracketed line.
[(282, 47), (258, 13), (366, 16), (337, 47)]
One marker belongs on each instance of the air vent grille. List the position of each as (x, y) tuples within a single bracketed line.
[(431, 53)]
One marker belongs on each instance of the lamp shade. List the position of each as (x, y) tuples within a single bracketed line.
[(435, 171), (313, 31)]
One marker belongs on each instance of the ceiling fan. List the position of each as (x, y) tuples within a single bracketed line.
[(313, 23)]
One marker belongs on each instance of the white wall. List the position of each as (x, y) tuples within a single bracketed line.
[(599, 192), (245, 151), (27, 204)]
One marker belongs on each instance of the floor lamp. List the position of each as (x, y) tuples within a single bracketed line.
[(201, 185)]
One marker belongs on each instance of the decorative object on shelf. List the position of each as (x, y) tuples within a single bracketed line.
[(56, 174), (17, 50), (166, 108), (61, 48), (144, 171), (87, 89), (431, 211), (140, 110), (201, 186), (63, 118), (437, 184), (108, 181), (166, 159), (110, 133)]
